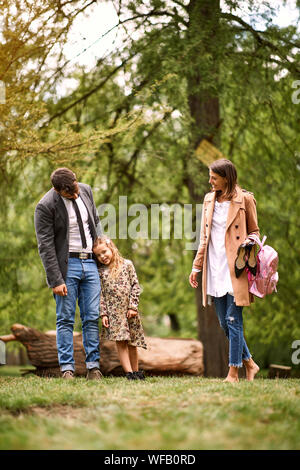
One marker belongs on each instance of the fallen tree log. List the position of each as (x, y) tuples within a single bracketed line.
[(164, 356), (277, 371)]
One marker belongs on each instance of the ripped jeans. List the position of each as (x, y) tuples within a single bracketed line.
[(231, 320)]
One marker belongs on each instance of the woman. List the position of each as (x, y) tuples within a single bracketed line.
[(228, 217)]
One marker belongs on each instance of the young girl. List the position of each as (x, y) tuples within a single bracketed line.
[(120, 292)]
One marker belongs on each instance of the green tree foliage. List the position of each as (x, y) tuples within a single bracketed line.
[(142, 110), (253, 81), (31, 62)]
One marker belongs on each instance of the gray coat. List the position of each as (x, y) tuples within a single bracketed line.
[(52, 232)]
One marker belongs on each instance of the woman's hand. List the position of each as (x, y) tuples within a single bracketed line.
[(131, 313), (193, 279), (105, 321)]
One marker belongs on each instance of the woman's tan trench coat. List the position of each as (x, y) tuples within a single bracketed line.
[(241, 221)]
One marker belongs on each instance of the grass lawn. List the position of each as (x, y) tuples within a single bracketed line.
[(161, 413)]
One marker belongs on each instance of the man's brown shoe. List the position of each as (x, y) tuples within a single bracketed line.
[(68, 374), (94, 374)]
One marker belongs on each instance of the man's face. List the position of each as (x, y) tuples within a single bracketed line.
[(69, 195)]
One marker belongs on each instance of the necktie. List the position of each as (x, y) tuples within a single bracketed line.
[(80, 224)]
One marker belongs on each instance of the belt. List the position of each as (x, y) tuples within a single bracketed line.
[(81, 255)]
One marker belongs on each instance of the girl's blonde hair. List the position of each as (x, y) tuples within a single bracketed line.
[(117, 259)]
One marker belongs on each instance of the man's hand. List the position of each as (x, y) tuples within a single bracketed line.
[(60, 290), (105, 321), (131, 313), (193, 279)]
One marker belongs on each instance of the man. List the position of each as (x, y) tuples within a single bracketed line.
[(66, 225)]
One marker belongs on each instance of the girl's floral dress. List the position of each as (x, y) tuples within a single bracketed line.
[(117, 297)]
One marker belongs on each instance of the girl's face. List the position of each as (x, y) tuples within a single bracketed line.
[(103, 253), (217, 182)]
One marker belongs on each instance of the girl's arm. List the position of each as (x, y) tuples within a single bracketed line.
[(103, 306), (103, 309), (135, 288)]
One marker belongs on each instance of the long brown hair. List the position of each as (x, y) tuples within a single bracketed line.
[(226, 169), (117, 259)]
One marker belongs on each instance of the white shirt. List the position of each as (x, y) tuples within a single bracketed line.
[(218, 275), (75, 244)]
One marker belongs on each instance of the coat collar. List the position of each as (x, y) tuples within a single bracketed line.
[(87, 203), (59, 203), (238, 197), (61, 208), (236, 203), (210, 196)]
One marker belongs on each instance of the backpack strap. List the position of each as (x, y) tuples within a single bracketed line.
[(255, 238), (263, 240)]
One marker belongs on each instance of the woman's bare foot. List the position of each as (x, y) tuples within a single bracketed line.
[(251, 369), (231, 379), (233, 375)]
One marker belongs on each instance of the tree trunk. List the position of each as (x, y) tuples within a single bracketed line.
[(163, 356), (211, 334), (202, 35), (175, 326)]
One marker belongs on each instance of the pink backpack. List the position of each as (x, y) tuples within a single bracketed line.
[(267, 276)]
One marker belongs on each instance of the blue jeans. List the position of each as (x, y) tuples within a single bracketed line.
[(83, 283), (231, 320)]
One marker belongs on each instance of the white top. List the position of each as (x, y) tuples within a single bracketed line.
[(75, 244), (218, 275)]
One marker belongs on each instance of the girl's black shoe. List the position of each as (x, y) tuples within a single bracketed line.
[(251, 261), (139, 375), (131, 376), (240, 262)]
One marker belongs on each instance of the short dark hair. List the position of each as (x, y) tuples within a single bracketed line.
[(63, 179)]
